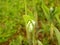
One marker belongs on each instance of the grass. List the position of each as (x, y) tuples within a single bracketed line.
[(29, 22)]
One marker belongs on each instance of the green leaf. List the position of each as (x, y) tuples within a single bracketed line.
[(39, 43), (57, 14), (57, 11), (57, 33), (27, 18), (46, 11)]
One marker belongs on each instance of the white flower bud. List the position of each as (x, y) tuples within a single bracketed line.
[(33, 22), (30, 25), (51, 8)]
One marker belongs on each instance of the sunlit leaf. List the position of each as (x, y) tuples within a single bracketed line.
[(57, 33)]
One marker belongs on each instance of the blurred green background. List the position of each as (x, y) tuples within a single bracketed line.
[(29, 22)]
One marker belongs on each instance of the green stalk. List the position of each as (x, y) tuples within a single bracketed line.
[(27, 31), (25, 7), (51, 30), (36, 21)]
